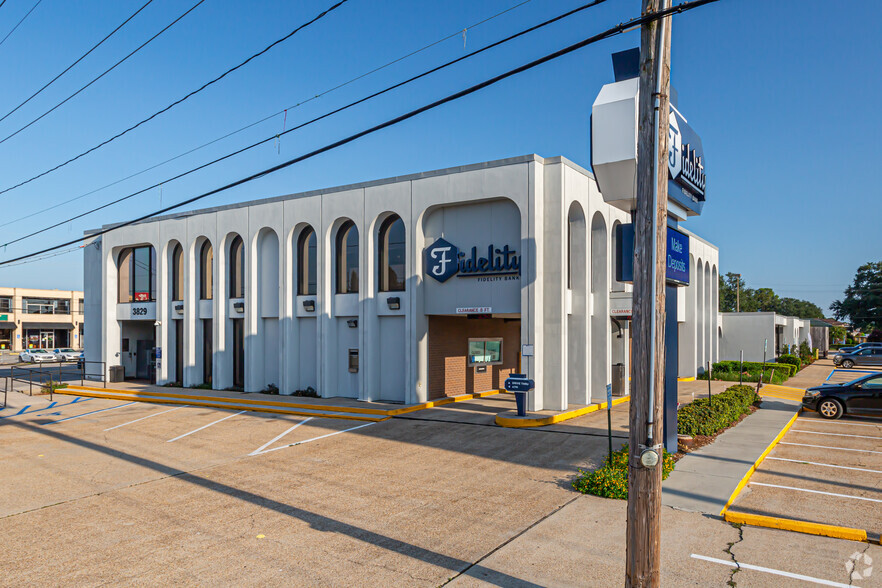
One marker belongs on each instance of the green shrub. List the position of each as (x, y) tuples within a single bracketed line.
[(611, 479), (51, 386), (708, 416), (792, 360), (728, 371), (805, 352)]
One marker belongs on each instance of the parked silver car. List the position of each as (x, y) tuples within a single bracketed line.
[(36, 355), (66, 354), (868, 356)]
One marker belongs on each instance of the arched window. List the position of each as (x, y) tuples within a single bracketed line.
[(306, 263), (237, 268), (137, 274), (393, 252), (347, 259), (206, 273), (177, 289)]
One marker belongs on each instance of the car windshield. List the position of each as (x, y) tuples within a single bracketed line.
[(43, 351), (68, 351), (855, 381)]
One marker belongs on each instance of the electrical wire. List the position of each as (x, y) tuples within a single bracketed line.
[(266, 118), (173, 104), (104, 73), (2, 2), (611, 32), (309, 122), (19, 22), (68, 68)]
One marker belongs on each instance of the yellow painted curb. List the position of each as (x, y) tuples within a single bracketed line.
[(689, 379), (797, 526), (541, 421), (441, 402), (139, 393), (211, 404), (756, 464), (377, 414)]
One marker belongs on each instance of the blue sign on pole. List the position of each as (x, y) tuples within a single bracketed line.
[(609, 395), (677, 257)]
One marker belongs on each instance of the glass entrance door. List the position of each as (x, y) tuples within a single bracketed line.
[(47, 339)]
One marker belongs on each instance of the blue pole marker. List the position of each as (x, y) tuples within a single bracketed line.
[(609, 417)]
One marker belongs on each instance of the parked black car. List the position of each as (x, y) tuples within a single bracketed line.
[(860, 397)]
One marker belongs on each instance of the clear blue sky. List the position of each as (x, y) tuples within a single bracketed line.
[(783, 94)]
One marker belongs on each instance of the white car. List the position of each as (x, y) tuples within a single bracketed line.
[(36, 356), (66, 354)]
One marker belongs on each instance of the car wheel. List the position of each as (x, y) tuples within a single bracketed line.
[(830, 408), (848, 364)]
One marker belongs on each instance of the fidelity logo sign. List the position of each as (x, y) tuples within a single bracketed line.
[(444, 260), (685, 156)]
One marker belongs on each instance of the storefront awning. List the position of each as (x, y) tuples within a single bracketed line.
[(47, 326), (7, 325)]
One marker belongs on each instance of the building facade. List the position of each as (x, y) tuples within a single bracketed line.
[(404, 289), (762, 335), (40, 319)]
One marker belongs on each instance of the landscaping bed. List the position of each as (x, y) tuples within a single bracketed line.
[(702, 419)]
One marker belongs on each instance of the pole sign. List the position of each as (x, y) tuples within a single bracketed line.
[(677, 260), (609, 396), (687, 178), (518, 383)]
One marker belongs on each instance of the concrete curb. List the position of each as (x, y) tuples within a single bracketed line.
[(541, 421), (295, 408), (799, 526), (759, 460)]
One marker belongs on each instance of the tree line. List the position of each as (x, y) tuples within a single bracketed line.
[(762, 300)]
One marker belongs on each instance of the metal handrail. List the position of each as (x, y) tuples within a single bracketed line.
[(39, 371)]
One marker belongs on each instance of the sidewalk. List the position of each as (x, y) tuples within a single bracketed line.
[(704, 480)]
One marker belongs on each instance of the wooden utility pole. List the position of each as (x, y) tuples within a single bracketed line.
[(645, 434)]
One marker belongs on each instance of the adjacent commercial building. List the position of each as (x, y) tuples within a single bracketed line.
[(761, 334), (40, 319), (403, 289)]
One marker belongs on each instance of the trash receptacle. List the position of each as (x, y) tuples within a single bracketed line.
[(618, 379), (116, 373)]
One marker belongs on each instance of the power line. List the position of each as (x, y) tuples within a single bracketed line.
[(104, 73), (50, 82), (266, 118), (309, 122), (173, 104), (2, 2), (616, 30), (19, 22)]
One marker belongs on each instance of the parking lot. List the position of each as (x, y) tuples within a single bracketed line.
[(822, 471), (100, 491)]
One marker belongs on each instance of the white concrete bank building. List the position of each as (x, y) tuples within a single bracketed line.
[(403, 289)]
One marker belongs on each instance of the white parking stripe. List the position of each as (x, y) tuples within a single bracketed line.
[(205, 426), (744, 566), (836, 434), (276, 438), (88, 413), (142, 418), (828, 465), (317, 438), (828, 447), (814, 491), (837, 422)]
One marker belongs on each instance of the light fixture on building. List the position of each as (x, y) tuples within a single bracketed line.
[(394, 303), (309, 305), (353, 323), (239, 306)]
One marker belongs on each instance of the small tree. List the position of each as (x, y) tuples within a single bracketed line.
[(837, 334)]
